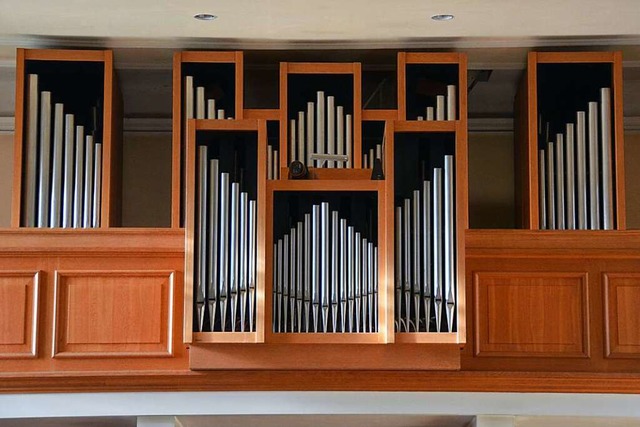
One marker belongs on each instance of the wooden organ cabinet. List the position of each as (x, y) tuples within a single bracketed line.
[(327, 237)]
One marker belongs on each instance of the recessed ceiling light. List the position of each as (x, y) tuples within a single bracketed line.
[(205, 16), (442, 17)]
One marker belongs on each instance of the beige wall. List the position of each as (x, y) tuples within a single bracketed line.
[(6, 178), (491, 180), (632, 178), (146, 190)]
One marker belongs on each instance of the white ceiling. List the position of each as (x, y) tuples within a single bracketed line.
[(326, 20)]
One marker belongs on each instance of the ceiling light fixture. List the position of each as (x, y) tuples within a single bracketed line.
[(205, 16), (442, 17)]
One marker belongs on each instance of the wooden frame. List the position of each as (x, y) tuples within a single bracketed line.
[(527, 133), (354, 69), (462, 220), (112, 129), (385, 295), (193, 126), (431, 58), (178, 168)]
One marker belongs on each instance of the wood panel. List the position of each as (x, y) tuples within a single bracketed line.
[(622, 317), (601, 257), (326, 357), (19, 297), (531, 314), (111, 313)]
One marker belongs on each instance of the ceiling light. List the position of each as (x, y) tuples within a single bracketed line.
[(205, 16), (442, 17)]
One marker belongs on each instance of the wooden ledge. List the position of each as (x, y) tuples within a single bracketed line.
[(92, 241), (323, 380)]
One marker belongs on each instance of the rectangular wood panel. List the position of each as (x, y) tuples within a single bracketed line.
[(18, 314), (622, 316), (113, 313), (531, 314)]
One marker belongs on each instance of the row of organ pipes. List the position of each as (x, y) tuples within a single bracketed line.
[(575, 172), (425, 255), (325, 276), (325, 272), (225, 242), (324, 129)]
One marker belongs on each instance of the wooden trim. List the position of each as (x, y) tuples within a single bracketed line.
[(90, 242), (230, 125), (618, 143), (189, 224), (385, 285), (320, 67), (65, 55), (389, 231), (357, 115), (239, 89), (560, 243), (264, 114), (284, 113), (425, 126), (228, 337), (428, 337), (402, 85), (379, 115), (208, 56), (18, 138), (261, 234), (176, 150), (531, 157), (325, 338), (324, 185), (462, 200), (332, 173), (323, 380), (112, 147), (432, 57), (573, 57)]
